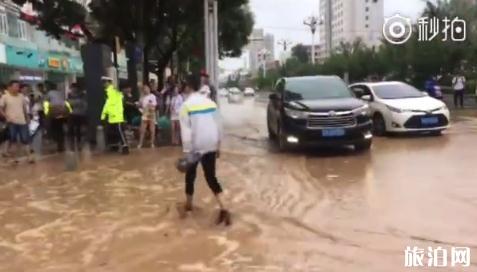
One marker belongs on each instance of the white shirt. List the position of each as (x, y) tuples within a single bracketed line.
[(176, 104), (200, 125), (459, 83), (148, 101)]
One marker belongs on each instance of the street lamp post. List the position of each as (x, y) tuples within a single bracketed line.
[(312, 22)]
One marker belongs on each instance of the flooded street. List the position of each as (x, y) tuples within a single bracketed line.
[(311, 210)]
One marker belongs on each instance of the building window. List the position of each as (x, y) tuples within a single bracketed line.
[(367, 17), (3, 23), (367, 26), (367, 9), (22, 30)]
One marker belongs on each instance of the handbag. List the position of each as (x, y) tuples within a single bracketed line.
[(185, 163)]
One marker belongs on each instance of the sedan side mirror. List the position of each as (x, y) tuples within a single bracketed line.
[(273, 96), (367, 97)]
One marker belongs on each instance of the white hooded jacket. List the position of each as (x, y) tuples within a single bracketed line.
[(200, 125)]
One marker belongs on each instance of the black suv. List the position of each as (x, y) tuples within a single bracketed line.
[(318, 111)]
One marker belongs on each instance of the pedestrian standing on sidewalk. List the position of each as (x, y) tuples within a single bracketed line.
[(77, 118), (113, 115), (166, 94), (458, 83), (56, 111), (176, 104), (148, 104), (201, 134), (131, 110), (13, 106)]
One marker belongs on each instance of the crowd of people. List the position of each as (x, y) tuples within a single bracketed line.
[(61, 117)]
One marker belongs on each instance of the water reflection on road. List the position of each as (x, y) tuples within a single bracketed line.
[(310, 210)]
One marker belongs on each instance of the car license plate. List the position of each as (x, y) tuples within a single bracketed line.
[(336, 132), (429, 120)]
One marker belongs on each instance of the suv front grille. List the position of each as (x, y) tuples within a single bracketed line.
[(336, 120)]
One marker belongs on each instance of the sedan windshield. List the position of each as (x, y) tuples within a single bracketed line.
[(396, 91), (316, 88)]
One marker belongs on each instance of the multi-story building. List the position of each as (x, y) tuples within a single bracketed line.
[(261, 49), (31, 56), (319, 52), (346, 21)]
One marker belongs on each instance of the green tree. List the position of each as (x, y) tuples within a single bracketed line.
[(300, 52)]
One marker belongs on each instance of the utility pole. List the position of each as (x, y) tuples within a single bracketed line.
[(285, 44), (312, 23), (211, 40)]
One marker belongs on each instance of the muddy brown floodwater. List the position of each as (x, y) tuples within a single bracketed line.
[(323, 210)]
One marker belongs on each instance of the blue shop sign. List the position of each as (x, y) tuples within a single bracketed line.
[(22, 57)]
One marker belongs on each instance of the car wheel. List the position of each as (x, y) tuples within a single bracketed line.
[(282, 142), (379, 125), (271, 135), (364, 146)]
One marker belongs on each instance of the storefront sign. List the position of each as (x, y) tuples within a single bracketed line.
[(54, 63), (22, 57)]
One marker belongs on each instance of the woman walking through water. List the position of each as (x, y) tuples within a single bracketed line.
[(148, 106)]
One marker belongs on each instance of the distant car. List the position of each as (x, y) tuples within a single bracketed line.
[(223, 92), (399, 107), (235, 96), (249, 92), (317, 111)]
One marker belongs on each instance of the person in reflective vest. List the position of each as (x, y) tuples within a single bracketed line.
[(113, 115), (56, 110)]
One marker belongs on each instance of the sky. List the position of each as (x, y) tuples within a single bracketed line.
[(284, 19)]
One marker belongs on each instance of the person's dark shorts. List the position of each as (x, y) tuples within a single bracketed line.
[(19, 133)]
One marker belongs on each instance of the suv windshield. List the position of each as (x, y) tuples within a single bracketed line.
[(316, 88), (397, 91)]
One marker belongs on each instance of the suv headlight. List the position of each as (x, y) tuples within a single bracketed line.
[(296, 114), (364, 110)]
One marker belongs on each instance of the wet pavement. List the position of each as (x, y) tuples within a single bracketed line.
[(310, 210)]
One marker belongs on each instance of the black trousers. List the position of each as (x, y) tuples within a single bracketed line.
[(115, 135), (57, 132), (208, 165), (459, 98), (75, 129)]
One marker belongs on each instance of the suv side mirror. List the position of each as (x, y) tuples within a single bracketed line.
[(367, 97), (273, 96)]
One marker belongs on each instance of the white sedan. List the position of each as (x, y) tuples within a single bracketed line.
[(235, 95), (249, 92), (399, 107)]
